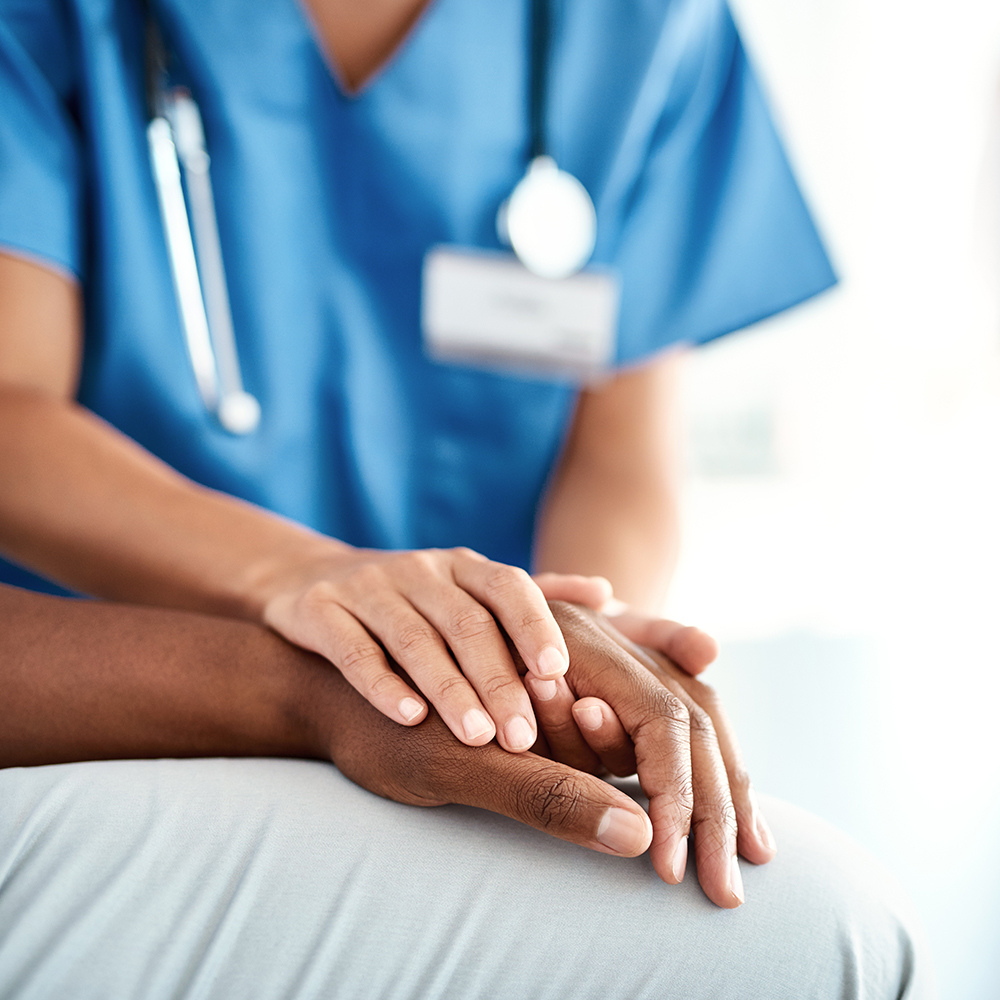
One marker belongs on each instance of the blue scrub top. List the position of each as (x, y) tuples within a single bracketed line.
[(327, 204)]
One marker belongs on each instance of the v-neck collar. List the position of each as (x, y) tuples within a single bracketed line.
[(406, 43)]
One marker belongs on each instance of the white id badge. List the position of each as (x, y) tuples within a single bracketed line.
[(485, 309)]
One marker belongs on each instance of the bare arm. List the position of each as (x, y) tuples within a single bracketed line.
[(85, 680), (612, 508), (85, 505)]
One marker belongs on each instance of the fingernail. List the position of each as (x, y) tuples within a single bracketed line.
[(476, 724), (590, 717), (552, 662), (613, 607), (764, 832), (624, 832), (409, 709), (518, 733), (680, 859), (542, 690), (736, 880)]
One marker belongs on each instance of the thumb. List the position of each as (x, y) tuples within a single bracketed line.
[(557, 800), (590, 591), (690, 648)]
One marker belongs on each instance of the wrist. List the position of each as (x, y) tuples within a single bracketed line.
[(298, 695), (290, 565), (320, 704)]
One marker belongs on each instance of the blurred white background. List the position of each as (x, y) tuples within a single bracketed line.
[(842, 508)]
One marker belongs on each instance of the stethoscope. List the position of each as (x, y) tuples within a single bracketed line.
[(548, 221)]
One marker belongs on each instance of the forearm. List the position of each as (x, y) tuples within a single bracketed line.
[(84, 680), (86, 506), (605, 526), (611, 509)]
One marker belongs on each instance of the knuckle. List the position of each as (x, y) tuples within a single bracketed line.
[(700, 722), (551, 799), (382, 683), (664, 707), (717, 825), (498, 685), (685, 794), (739, 781), (502, 579), (470, 623), (560, 727), (531, 620), (362, 661), (674, 709), (418, 561), (317, 597), (415, 637), (464, 552), (450, 684), (368, 577)]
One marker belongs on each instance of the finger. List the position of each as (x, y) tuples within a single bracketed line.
[(754, 839), (713, 818), (519, 606), (690, 648), (333, 632), (656, 720), (472, 634), (419, 649), (553, 701), (605, 735), (591, 591), (553, 798)]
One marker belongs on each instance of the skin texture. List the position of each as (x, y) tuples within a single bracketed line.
[(618, 468), (140, 532), (360, 36), (456, 623), (391, 622), (87, 680)]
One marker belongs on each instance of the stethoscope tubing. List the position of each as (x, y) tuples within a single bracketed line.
[(176, 140), (183, 263)]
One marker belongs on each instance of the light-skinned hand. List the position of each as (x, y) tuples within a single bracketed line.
[(442, 615), (686, 646)]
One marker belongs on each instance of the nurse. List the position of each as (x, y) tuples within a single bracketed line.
[(386, 502)]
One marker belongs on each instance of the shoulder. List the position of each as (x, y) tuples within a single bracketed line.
[(634, 31), (619, 60), (43, 35)]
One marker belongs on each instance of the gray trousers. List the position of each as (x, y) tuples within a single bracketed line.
[(246, 879)]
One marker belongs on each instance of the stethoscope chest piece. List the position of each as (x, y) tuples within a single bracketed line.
[(238, 412), (549, 221)]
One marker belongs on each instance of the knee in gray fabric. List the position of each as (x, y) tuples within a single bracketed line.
[(281, 879), (836, 915)]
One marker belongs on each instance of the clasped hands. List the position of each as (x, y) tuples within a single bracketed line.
[(468, 650), (619, 708)]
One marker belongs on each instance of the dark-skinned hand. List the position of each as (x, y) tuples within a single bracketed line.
[(625, 709)]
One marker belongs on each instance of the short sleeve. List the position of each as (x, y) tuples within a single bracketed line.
[(711, 230), (40, 198)]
